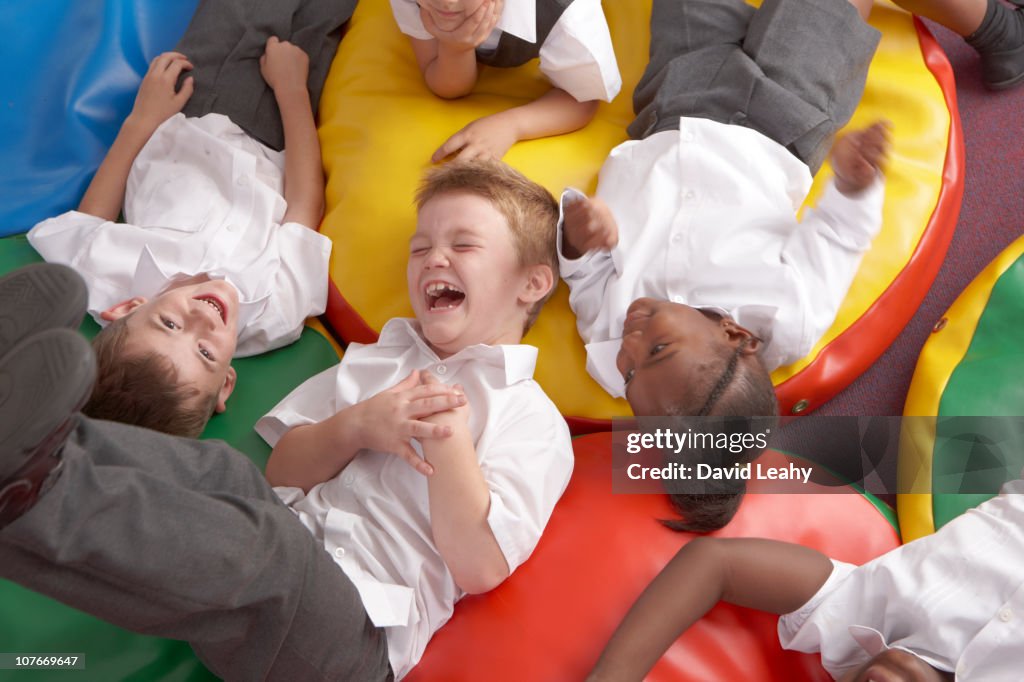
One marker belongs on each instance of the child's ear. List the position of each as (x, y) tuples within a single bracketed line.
[(735, 334), (119, 310), (225, 391), (539, 281)]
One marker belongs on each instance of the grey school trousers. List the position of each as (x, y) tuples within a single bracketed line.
[(225, 41), (793, 70), (185, 539)]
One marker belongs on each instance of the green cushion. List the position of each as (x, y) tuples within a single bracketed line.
[(31, 623), (987, 381)]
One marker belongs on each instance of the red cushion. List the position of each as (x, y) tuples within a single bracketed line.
[(552, 617)]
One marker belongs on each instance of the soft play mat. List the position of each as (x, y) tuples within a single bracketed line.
[(78, 66), (971, 366), (380, 125), (30, 622), (550, 620)]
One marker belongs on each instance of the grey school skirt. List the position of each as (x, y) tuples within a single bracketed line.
[(794, 70)]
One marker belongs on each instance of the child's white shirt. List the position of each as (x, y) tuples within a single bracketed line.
[(707, 216), (577, 56), (374, 519), (202, 197), (954, 598)]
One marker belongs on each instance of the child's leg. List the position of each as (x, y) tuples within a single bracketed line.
[(186, 461), (962, 16), (818, 51), (225, 40), (689, 41), (236, 576)]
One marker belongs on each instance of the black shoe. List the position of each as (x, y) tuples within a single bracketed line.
[(44, 381), (38, 297), (1004, 69)]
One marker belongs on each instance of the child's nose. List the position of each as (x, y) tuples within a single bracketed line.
[(632, 345), (437, 258)]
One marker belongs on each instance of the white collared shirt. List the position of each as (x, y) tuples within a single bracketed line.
[(374, 517), (202, 197), (577, 56), (954, 598), (707, 217)]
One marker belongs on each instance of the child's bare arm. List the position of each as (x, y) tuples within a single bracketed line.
[(763, 574), (459, 504), (285, 68), (553, 113), (308, 455), (448, 62), (155, 102)]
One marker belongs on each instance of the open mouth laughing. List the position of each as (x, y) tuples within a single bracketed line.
[(217, 305), (443, 296)]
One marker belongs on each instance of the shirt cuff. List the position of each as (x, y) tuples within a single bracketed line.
[(274, 425), (791, 623), (858, 216), (510, 533)]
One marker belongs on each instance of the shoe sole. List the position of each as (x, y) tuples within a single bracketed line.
[(39, 297), (1007, 84), (44, 381)]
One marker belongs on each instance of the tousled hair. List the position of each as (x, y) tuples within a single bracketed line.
[(529, 209), (143, 389)]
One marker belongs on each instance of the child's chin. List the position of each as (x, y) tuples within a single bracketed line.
[(439, 334)]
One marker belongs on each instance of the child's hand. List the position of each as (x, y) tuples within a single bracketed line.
[(857, 156), (284, 65), (589, 226), (157, 100), (456, 418), (388, 420), (471, 32), (485, 138)]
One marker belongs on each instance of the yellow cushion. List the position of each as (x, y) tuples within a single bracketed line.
[(379, 126)]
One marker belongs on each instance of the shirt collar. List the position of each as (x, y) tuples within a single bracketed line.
[(519, 17), (151, 278), (518, 361)]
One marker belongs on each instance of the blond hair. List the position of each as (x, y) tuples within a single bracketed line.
[(528, 208)]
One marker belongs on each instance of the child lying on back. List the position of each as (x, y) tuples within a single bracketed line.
[(219, 255), (429, 462)]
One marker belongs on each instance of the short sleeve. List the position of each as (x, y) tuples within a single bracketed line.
[(527, 463), (312, 402), (299, 290), (407, 15), (104, 253), (800, 630), (578, 56)]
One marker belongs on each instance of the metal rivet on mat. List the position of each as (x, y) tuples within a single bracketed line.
[(940, 325), (801, 406)]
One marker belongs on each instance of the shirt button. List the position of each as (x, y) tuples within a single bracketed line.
[(677, 299), (243, 181), (346, 478), (339, 552), (961, 670), (1005, 615), (441, 369), (232, 227), (689, 195), (687, 136), (676, 238)]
